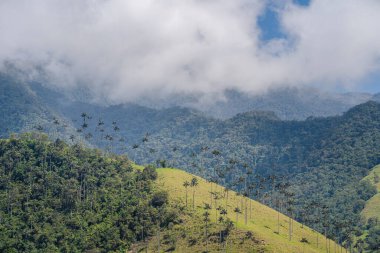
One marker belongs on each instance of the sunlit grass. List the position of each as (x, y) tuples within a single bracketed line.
[(263, 221), (372, 207)]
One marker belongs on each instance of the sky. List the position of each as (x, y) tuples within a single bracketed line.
[(270, 25), (123, 50)]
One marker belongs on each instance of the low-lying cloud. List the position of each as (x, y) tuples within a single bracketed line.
[(123, 49)]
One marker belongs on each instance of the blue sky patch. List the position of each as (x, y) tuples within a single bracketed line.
[(269, 25), (302, 2)]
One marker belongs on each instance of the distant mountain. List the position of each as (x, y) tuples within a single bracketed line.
[(22, 110), (287, 103), (376, 97)]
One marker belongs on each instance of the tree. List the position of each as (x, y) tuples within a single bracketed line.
[(206, 219), (186, 184), (226, 190), (150, 173), (376, 178), (222, 219), (193, 184), (159, 199), (373, 240), (237, 211)]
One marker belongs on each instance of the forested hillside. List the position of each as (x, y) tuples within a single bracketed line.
[(322, 160), (60, 198), (21, 110), (376, 97)]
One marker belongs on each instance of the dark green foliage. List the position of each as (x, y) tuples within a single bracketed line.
[(149, 173), (21, 110), (159, 199), (373, 240), (54, 197)]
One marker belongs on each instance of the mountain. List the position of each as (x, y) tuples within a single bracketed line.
[(22, 110), (376, 97), (323, 159), (287, 103), (61, 198)]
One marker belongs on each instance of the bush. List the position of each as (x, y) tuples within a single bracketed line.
[(159, 199), (149, 173)]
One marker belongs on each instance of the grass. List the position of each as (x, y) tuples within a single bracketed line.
[(137, 167), (372, 207), (262, 222)]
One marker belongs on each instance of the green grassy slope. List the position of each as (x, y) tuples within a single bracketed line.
[(372, 207), (262, 220)]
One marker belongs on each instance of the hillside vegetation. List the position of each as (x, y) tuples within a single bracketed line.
[(372, 207), (320, 160), (21, 110), (60, 198), (258, 234)]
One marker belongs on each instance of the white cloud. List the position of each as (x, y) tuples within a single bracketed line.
[(123, 48)]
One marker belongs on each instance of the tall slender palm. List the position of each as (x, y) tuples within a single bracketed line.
[(56, 128), (226, 190), (325, 214), (186, 184), (84, 118), (245, 196), (193, 184), (206, 219), (135, 147), (290, 201), (237, 211)]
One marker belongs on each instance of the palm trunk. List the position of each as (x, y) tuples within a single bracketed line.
[(246, 213), (211, 195), (186, 197), (158, 239), (317, 239), (193, 199), (250, 209), (226, 200), (290, 228)]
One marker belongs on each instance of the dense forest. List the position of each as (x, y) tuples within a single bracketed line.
[(56, 197), (321, 159)]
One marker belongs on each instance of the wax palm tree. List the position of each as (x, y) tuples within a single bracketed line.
[(72, 138), (186, 184), (56, 123), (206, 219), (193, 184), (237, 211), (84, 118), (226, 190), (135, 147)]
